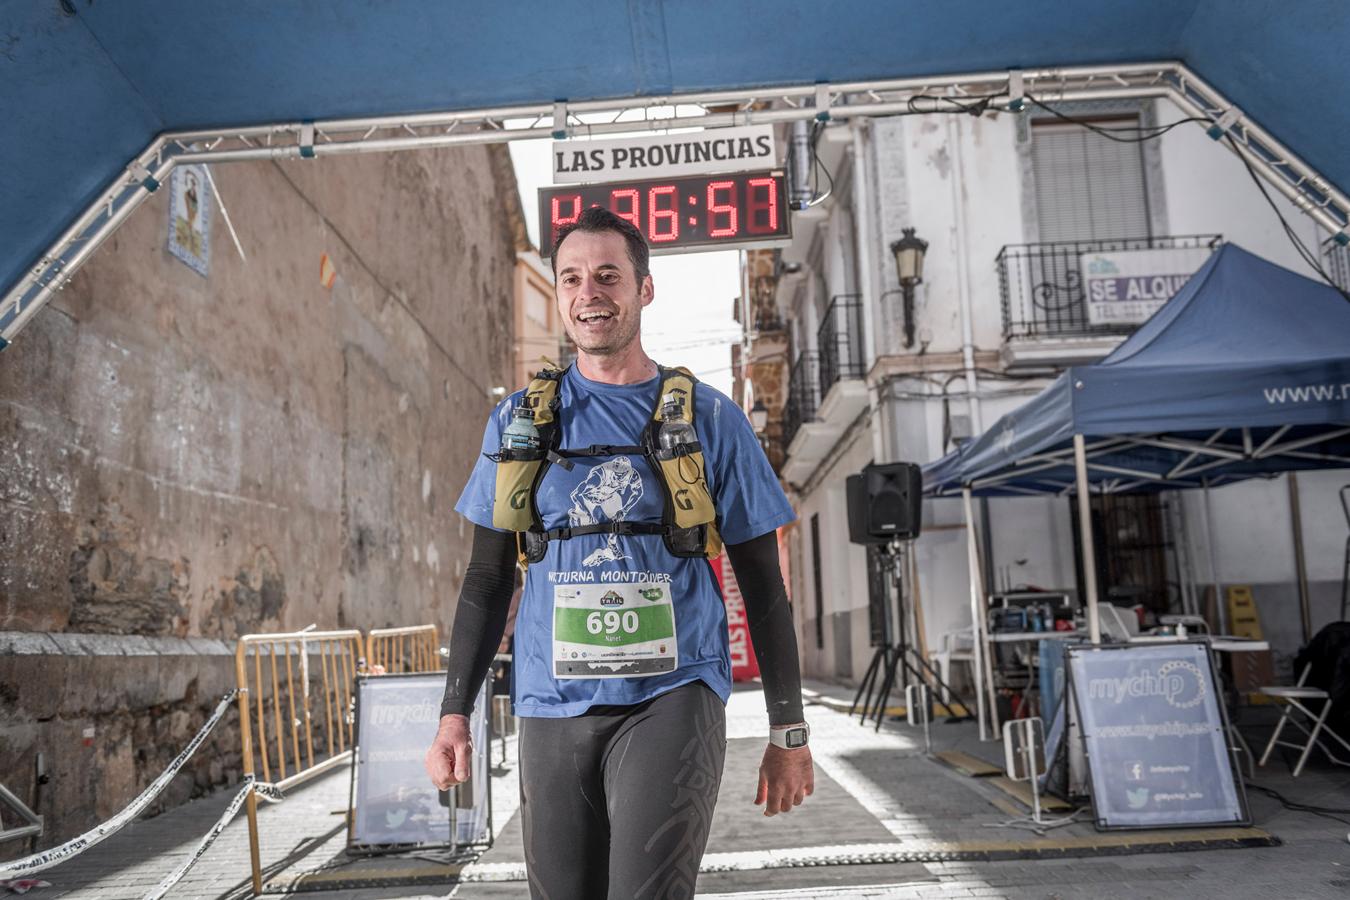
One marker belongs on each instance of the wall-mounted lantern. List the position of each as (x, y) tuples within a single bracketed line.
[(908, 253)]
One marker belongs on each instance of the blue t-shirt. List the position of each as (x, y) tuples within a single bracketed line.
[(749, 502)]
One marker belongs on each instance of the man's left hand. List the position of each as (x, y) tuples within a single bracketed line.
[(786, 778)]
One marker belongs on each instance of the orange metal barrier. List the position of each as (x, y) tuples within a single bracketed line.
[(411, 649), (301, 718)]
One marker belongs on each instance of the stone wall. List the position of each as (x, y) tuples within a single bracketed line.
[(108, 714), (189, 457)]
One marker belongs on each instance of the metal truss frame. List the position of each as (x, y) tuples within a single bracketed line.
[(1001, 90), (1223, 446)]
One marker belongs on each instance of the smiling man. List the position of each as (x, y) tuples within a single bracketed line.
[(638, 476)]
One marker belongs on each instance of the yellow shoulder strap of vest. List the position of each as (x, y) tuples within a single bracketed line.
[(541, 393), (680, 382)]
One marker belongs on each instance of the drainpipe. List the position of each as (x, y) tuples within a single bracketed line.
[(862, 236), (961, 251), (963, 275)]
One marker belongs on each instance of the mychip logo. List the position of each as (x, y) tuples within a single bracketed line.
[(1178, 682)]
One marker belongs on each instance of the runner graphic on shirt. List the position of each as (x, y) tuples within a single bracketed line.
[(608, 493)]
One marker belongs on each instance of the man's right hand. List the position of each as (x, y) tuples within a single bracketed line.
[(447, 761)]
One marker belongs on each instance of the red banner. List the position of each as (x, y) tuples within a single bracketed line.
[(744, 666)]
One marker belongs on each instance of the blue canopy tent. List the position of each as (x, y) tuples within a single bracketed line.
[(98, 100), (1245, 372)]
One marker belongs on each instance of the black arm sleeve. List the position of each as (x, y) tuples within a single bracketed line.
[(755, 563), (480, 618)]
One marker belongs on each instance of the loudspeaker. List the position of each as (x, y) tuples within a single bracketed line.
[(855, 489), (884, 502)]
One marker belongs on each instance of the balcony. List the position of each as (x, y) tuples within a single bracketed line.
[(1049, 318), (807, 438), (840, 339), (803, 395)]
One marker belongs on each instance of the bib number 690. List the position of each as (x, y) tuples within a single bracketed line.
[(612, 622)]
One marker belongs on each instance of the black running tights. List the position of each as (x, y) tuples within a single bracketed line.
[(617, 802)]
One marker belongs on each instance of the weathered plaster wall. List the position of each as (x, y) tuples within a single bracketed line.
[(206, 457)]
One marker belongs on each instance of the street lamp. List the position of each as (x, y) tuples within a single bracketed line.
[(908, 252), (759, 416)]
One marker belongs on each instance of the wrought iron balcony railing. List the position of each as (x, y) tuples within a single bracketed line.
[(840, 340), (803, 395), (1041, 285)]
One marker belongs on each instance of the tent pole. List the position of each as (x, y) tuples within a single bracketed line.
[(1220, 608), (1300, 561), (976, 610), (1085, 538)]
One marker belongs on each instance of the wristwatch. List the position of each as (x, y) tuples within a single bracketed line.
[(790, 738)]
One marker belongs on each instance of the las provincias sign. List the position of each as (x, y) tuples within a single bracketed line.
[(665, 155)]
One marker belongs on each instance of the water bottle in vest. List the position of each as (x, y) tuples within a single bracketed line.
[(521, 434), (675, 432)]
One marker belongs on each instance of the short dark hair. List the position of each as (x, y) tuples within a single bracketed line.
[(598, 219)]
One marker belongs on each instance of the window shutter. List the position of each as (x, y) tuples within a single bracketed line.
[(1088, 187)]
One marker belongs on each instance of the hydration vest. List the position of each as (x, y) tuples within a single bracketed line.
[(688, 523)]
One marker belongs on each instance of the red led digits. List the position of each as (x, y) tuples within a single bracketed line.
[(559, 220), (754, 205), (716, 209), (624, 204), (701, 211), (667, 215)]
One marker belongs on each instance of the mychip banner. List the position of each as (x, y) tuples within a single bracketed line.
[(395, 802), (1154, 731)]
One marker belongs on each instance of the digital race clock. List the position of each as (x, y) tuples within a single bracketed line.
[(703, 212)]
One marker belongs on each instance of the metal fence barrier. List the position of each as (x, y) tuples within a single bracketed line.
[(414, 648), (300, 732)]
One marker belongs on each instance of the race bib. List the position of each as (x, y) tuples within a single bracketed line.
[(615, 630)]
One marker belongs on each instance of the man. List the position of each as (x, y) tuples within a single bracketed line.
[(621, 667)]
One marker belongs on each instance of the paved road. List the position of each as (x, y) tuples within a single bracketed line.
[(877, 794)]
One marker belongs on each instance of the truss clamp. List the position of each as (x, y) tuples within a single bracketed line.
[(822, 102), (560, 121), (143, 176), (1224, 123), (1016, 91), (307, 139)]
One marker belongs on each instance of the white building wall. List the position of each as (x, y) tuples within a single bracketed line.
[(1209, 191), (959, 182), (843, 569)]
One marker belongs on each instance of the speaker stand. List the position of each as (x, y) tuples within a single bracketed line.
[(894, 657)]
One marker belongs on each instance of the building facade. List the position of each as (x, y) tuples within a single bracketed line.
[(271, 440), (854, 371)]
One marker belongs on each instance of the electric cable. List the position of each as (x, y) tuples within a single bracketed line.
[(1148, 133), (978, 106), (818, 166), (1327, 812), (1308, 256)]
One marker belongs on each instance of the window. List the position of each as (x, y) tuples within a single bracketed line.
[(1088, 187)]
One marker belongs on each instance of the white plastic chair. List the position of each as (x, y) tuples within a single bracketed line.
[(1292, 697), (957, 647), (1117, 623)]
